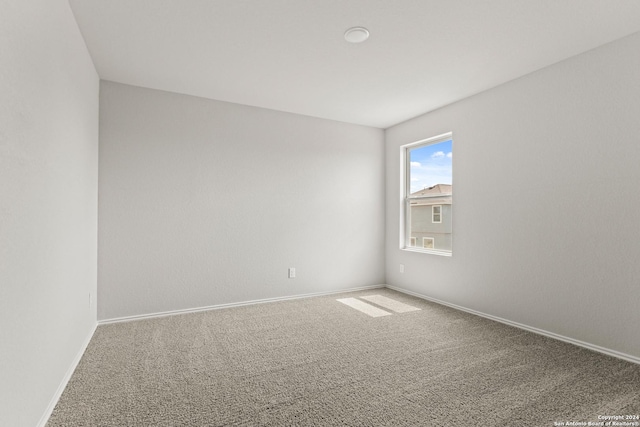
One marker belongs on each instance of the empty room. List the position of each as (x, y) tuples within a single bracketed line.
[(319, 213)]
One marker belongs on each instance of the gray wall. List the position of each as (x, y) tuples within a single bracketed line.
[(547, 209), (48, 203), (205, 202)]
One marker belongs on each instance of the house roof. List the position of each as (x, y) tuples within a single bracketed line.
[(444, 190), (437, 189)]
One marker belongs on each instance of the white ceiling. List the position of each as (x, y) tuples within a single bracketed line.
[(290, 55)]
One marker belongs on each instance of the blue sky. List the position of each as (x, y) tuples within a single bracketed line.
[(431, 165)]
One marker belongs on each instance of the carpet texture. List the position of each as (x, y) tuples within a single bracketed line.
[(317, 362)]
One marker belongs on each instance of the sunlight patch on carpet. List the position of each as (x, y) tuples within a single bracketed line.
[(390, 304), (364, 307)]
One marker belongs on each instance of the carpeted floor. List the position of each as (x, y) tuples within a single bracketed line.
[(318, 362)]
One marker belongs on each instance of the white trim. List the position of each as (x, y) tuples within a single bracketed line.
[(405, 214), (233, 304), (441, 252), (405, 184), (433, 140), (405, 220), (65, 380), (589, 346)]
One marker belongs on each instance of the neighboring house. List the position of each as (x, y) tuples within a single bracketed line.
[(431, 217)]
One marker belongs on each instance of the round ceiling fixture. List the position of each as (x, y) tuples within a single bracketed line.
[(356, 34)]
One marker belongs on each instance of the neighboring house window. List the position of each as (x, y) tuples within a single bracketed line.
[(427, 242), (436, 214), (428, 195)]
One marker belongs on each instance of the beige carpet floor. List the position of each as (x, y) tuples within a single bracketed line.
[(318, 362)]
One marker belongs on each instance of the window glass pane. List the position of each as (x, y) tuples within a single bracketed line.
[(430, 165), (429, 195), (435, 211)]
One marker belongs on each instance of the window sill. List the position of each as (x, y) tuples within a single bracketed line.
[(428, 251)]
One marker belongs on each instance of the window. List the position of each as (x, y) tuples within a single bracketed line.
[(427, 195), (436, 214), (427, 242)]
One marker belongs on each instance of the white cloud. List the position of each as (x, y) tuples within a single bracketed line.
[(416, 164), (450, 155), (430, 175), (437, 155)]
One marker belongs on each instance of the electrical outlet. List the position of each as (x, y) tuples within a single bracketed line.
[(292, 273), (401, 268)]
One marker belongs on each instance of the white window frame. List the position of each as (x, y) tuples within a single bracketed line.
[(405, 190), (425, 239), (433, 214)]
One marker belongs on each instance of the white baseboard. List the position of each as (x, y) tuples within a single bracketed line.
[(597, 348), (63, 384), (233, 304)]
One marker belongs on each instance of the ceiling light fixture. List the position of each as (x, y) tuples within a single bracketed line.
[(356, 34)]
